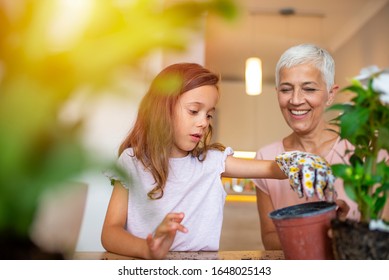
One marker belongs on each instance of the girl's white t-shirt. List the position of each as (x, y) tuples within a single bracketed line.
[(193, 187)]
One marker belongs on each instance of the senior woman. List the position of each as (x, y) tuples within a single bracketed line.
[(305, 88)]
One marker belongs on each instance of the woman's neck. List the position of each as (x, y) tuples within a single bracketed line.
[(319, 142)]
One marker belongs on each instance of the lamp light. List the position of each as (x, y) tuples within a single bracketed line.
[(253, 76)]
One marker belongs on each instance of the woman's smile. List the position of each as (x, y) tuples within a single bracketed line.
[(299, 112)]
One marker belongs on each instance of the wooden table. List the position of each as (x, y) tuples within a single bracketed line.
[(220, 255)]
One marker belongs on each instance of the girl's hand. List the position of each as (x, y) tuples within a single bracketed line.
[(308, 174), (160, 242)]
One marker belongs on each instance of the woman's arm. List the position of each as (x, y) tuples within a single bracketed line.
[(269, 234), (252, 168)]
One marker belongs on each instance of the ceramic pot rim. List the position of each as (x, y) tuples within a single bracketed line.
[(300, 210)]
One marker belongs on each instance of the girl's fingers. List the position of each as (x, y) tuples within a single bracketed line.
[(179, 227), (170, 224), (177, 217)]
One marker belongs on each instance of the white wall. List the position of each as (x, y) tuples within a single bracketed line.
[(370, 46), (109, 116), (248, 122)]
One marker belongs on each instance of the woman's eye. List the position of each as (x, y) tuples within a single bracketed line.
[(210, 117), (309, 89), (286, 90)]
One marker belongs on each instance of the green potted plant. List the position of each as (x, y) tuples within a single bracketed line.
[(364, 122), (42, 68)]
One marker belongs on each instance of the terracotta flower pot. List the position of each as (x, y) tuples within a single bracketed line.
[(303, 230)]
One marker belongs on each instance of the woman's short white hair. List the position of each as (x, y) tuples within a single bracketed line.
[(308, 54)]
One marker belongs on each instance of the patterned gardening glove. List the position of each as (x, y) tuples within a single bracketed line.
[(308, 174)]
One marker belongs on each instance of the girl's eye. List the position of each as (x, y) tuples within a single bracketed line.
[(193, 112)]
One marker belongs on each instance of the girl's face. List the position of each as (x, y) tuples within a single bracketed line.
[(193, 114), (303, 97)]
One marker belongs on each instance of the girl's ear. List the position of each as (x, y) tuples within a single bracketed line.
[(331, 94)]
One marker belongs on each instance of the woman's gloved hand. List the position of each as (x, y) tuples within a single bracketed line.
[(308, 174)]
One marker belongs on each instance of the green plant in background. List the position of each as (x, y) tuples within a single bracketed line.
[(43, 63), (365, 124)]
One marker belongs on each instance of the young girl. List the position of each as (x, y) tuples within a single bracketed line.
[(175, 198)]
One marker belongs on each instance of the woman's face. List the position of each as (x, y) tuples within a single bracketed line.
[(303, 96), (193, 114)]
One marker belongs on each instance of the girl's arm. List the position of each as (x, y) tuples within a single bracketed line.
[(252, 168), (116, 239), (308, 174)]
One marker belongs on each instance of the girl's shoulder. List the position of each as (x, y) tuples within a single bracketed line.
[(128, 159), (128, 152), (213, 156), (220, 153)]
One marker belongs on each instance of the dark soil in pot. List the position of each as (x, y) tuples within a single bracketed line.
[(355, 241), (303, 210)]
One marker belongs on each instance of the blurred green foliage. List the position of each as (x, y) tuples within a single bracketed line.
[(365, 124), (41, 68)]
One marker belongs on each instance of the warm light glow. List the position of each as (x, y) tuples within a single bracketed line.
[(70, 18), (244, 154), (253, 76)]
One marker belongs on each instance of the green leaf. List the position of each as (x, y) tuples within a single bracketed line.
[(365, 124), (350, 190), (356, 88), (354, 160), (368, 200), (342, 171), (344, 107), (352, 124), (385, 187), (383, 138), (379, 205)]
